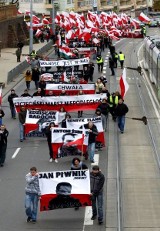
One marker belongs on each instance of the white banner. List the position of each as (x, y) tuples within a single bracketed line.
[(65, 63), (71, 87), (64, 189), (70, 103)]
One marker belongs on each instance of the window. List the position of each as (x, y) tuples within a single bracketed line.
[(68, 1)]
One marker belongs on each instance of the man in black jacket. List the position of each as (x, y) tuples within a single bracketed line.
[(11, 104), (93, 133), (97, 181), (120, 112), (3, 144), (22, 119)]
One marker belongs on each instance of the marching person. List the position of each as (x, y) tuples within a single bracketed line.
[(93, 133), (100, 63), (121, 58), (113, 102), (97, 180), (80, 113), (32, 195), (3, 144), (120, 111), (18, 54), (2, 114), (26, 94), (111, 66), (35, 76), (11, 104), (22, 119), (49, 140), (104, 107), (39, 92), (98, 113), (28, 79), (99, 85), (77, 164)]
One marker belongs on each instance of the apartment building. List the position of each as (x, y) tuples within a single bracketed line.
[(116, 5)]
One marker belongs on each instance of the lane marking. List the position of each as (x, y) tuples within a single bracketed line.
[(15, 153), (104, 68), (104, 72)]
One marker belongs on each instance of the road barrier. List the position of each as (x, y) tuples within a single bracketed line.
[(12, 74)]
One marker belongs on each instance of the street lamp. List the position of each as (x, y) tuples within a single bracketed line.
[(53, 15), (31, 28)]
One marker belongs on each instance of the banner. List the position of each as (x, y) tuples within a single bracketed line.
[(71, 89), (69, 74), (70, 103), (69, 142), (78, 122), (47, 77), (37, 121), (64, 63), (64, 189)]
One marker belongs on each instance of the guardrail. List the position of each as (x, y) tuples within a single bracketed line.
[(12, 74)]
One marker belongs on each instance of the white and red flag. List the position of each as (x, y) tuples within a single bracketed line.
[(68, 142), (38, 33), (64, 189), (143, 18), (124, 86)]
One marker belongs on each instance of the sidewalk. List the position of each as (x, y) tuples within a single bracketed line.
[(8, 61)]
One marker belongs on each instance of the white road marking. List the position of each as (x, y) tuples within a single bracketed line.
[(88, 209), (104, 68), (15, 153), (104, 72)]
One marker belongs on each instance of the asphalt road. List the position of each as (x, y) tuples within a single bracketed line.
[(34, 152)]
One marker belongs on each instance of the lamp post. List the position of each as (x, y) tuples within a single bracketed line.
[(53, 16), (31, 28)]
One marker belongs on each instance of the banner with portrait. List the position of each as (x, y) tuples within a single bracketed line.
[(54, 103), (77, 74), (69, 142), (37, 121), (79, 122), (71, 89), (64, 189)]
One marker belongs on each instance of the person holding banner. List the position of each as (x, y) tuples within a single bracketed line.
[(3, 144), (77, 164), (93, 133), (99, 85), (22, 118), (97, 180), (49, 138), (1, 115), (32, 195), (11, 104)]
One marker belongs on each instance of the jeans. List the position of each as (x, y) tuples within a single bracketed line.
[(13, 111), (31, 205), (36, 84), (98, 199), (121, 122), (28, 84), (91, 151), (21, 129), (0, 121)]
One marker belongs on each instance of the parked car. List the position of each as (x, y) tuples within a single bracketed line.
[(153, 23)]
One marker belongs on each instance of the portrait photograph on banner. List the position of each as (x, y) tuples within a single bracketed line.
[(69, 142), (64, 189), (37, 121), (79, 122)]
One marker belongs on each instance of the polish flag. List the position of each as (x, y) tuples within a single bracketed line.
[(123, 83), (143, 18), (0, 95), (38, 33), (19, 12), (63, 77), (45, 21)]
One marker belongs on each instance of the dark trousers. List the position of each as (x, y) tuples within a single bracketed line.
[(80, 114), (13, 111), (3, 153), (121, 63), (28, 84), (50, 149), (100, 67), (112, 71), (18, 58)]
